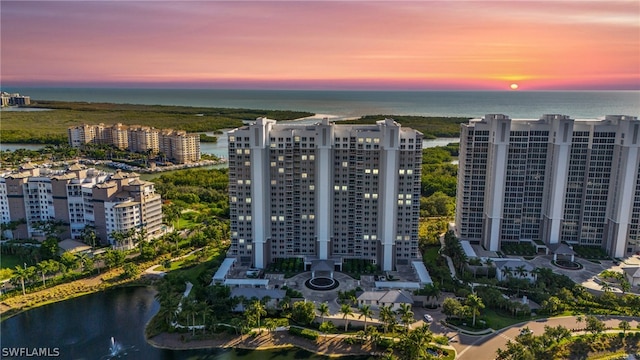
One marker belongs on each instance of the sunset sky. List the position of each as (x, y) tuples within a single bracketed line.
[(466, 45)]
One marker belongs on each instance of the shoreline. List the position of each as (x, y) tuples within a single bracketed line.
[(327, 345), (15, 305)]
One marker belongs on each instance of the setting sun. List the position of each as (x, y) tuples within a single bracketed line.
[(514, 86)]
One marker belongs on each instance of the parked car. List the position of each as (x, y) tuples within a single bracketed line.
[(428, 318)]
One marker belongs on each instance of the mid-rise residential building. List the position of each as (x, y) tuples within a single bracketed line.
[(76, 198), (175, 145), (325, 192), (180, 146), (14, 99), (550, 180)]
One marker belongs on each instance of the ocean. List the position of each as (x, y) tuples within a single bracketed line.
[(349, 104)]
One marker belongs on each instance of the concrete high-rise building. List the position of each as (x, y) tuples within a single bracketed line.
[(555, 179), (78, 197), (325, 192)]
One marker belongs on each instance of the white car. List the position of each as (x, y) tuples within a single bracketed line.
[(428, 318)]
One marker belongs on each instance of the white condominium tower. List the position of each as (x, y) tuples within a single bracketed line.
[(553, 179), (325, 192)]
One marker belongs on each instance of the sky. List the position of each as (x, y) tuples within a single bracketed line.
[(430, 45)]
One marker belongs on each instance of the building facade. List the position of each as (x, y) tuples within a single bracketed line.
[(14, 99), (176, 145), (325, 191), (555, 179), (77, 198)]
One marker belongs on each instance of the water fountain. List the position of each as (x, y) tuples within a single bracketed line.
[(115, 348)]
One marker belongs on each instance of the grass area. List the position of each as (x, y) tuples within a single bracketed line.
[(8, 261), (431, 126), (51, 126), (499, 320)]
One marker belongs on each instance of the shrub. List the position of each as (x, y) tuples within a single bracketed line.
[(327, 327), (385, 343)]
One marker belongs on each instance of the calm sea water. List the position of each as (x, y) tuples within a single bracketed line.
[(517, 104)]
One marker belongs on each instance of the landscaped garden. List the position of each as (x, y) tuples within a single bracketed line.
[(591, 252), (288, 266), (518, 248), (357, 267)]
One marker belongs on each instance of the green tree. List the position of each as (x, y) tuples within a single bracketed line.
[(113, 258), (366, 312), (21, 274), (594, 325), (475, 304), (387, 316), (88, 236), (131, 270), (323, 310), (44, 267), (69, 261), (303, 312), (624, 326), (451, 307), (414, 344), (255, 312), (346, 311), (431, 291), (406, 315), (49, 248)]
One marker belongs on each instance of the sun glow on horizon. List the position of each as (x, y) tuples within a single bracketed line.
[(514, 86)]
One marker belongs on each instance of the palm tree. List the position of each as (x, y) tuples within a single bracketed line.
[(203, 308), (406, 315), (256, 310), (431, 291), (21, 273), (579, 319), (521, 270), (387, 316), (475, 303), (346, 311), (624, 326), (323, 309), (606, 287), (365, 310), (43, 268), (89, 236), (82, 259), (507, 272), (191, 308), (374, 336), (625, 286)]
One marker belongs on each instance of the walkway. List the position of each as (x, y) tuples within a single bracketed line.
[(485, 347)]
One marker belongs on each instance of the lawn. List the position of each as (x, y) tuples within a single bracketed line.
[(498, 320)]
